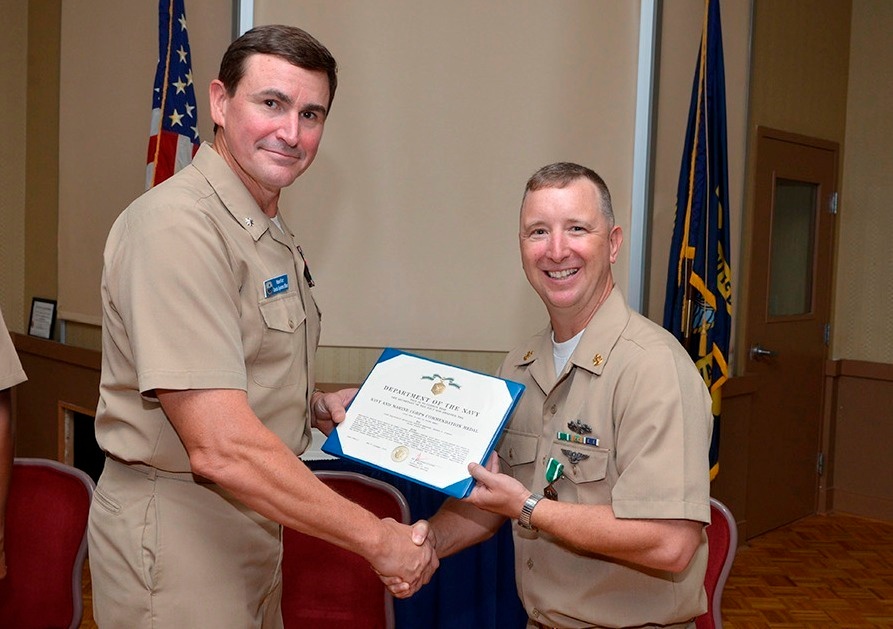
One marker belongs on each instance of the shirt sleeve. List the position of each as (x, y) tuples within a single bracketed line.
[(173, 286), (663, 419), (11, 372)]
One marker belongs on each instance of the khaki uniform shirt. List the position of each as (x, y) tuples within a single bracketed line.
[(201, 290), (632, 384), (11, 372)]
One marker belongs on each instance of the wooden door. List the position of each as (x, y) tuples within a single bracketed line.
[(789, 307)]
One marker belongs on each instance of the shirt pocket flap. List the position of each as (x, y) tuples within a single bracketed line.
[(283, 313), (582, 464), (517, 448)]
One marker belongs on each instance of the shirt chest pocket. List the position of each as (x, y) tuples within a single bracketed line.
[(518, 450), (584, 473), (282, 345)]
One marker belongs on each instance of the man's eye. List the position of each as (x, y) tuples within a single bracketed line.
[(309, 115), (270, 103)]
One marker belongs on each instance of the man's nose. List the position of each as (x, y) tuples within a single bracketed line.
[(290, 131), (557, 249)]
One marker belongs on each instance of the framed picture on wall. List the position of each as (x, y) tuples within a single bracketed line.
[(43, 318)]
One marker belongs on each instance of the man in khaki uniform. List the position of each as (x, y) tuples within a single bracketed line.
[(207, 391), (613, 429), (11, 374)]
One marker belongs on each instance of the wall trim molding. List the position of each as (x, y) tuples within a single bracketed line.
[(53, 350), (859, 369)]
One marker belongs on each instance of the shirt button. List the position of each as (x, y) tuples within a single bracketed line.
[(291, 324), (530, 564), (536, 613), (553, 409)]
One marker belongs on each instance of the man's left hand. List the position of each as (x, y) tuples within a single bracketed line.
[(328, 409), (496, 492)]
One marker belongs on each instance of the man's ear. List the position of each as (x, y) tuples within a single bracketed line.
[(615, 240), (218, 100)]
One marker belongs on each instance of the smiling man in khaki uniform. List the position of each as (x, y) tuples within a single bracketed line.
[(613, 430), (207, 391)]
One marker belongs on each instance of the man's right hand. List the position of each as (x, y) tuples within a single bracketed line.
[(406, 561), (422, 534)]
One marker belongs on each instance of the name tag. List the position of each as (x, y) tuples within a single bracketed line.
[(275, 285)]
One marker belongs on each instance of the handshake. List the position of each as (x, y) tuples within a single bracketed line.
[(409, 559), (413, 553)]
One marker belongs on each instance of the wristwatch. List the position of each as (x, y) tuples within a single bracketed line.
[(527, 511)]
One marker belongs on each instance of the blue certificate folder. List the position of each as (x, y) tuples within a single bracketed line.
[(425, 420)]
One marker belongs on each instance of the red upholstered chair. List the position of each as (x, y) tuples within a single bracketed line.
[(46, 543), (722, 537), (326, 586)]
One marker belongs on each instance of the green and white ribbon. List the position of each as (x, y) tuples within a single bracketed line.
[(554, 470)]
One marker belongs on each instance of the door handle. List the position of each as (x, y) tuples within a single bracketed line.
[(757, 352)]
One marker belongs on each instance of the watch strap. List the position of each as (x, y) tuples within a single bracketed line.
[(527, 511)]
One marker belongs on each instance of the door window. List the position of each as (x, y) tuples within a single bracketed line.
[(792, 248)]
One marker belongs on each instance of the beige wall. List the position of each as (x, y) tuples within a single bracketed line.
[(42, 155), (444, 111), (863, 326), (798, 84), (13, 60), (104, 124)]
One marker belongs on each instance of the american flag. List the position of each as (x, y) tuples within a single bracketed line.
[(173, 136)]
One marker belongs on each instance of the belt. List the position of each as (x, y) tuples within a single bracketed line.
[(153, 472)]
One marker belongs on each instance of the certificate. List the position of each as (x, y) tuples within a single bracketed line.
[(425, 420)]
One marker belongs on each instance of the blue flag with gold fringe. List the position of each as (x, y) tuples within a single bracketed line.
[(698, 307)]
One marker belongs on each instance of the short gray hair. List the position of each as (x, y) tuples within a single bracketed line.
[(562, 174)]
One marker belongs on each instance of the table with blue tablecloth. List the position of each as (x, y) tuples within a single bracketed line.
[(473, 589)]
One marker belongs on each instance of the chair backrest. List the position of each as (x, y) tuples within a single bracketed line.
[(326, 586), (722, 540), (46, 543)]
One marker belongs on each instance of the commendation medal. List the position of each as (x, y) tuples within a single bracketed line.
[(554, 471)]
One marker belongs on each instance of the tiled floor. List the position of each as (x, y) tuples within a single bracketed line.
[(822, 571)]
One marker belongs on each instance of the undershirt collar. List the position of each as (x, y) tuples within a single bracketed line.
[(561, 352)]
